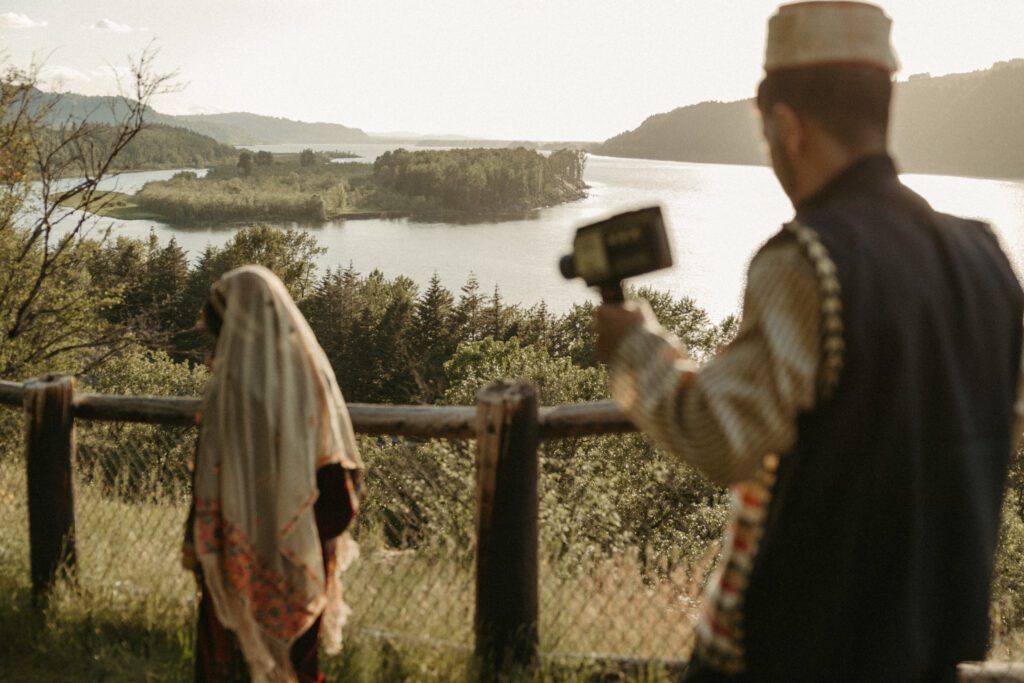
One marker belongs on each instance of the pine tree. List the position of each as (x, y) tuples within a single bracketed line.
[(166, 279), (496, 317), (467, 314), (433, 338)]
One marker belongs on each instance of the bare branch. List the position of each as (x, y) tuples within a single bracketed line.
[(74, 148)]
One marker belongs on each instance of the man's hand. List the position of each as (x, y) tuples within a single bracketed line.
[(611, 323)]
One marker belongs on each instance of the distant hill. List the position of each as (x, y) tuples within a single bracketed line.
[(709, 132), (156, 147), (160, 146), (242, 128), (960, 124), (98, 109), (238, 128)]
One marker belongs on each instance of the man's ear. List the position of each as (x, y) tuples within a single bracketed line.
[(789, 128)]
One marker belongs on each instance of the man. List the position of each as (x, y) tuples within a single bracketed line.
[(879, 358)]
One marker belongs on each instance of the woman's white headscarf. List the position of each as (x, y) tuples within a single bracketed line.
[(272, 415)]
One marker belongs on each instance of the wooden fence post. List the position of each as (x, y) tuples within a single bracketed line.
[(50, 440), (505, 622)]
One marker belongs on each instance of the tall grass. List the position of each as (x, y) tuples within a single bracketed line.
[(128, 614)]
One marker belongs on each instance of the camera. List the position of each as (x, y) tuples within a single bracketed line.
[(625, 245)]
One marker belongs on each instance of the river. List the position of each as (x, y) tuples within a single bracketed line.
[(717, 216)]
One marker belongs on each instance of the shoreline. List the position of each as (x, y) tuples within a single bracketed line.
[(119, 205)]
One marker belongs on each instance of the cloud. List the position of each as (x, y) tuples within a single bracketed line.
[(110, 25), (108, 79), (15, 20), (99, 78), (57, 76), (176, 107), (111, 72)]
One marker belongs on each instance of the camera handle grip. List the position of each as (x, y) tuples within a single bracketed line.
[(612, 293)]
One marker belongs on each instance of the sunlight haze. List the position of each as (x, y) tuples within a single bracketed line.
[(526, 70)]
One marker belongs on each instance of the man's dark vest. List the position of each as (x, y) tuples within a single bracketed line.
[(877, 554)]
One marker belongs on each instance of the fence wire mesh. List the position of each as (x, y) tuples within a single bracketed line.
[(132, 486), (412, 585), (627, 539), (414, 579), (614, 514), (14, 558)]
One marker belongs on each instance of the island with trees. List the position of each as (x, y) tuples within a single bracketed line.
[(311, 186)]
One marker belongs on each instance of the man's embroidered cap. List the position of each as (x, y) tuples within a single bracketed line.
[(825, 33)]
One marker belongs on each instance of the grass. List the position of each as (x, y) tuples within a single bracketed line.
[(112, 205), (128, 616)]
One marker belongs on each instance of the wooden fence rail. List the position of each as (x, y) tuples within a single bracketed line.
[(506, 424), (439, 422)]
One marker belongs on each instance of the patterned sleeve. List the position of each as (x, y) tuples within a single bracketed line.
[(742, 405)]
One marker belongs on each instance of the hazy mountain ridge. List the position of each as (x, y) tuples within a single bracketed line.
[(236, 128), (244, 128), (959, 124), (963, 124), (709, 132)]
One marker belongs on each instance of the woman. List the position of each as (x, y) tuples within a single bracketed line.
[(276, 484)]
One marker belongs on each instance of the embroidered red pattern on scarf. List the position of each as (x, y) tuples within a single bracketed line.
[(273, 604)]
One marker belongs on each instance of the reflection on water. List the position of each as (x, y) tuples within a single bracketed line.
[(128, 183), (717, 215)]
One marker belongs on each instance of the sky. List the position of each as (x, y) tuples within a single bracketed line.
[(510, 69)]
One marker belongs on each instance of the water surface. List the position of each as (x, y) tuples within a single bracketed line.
[(717, 216)]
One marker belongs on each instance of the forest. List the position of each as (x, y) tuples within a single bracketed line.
[(483, 179), (389, 340), (156, 146), (308, 187)]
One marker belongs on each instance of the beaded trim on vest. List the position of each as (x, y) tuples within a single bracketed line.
[(832, 345), (719, 641), (720, 629)]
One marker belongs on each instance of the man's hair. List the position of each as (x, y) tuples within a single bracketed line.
[(850, 102)]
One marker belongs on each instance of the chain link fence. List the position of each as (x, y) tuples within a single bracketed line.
[(132, 488), (628, 537), (14, 558), (411, 588), (413, 582), (613, 581)]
